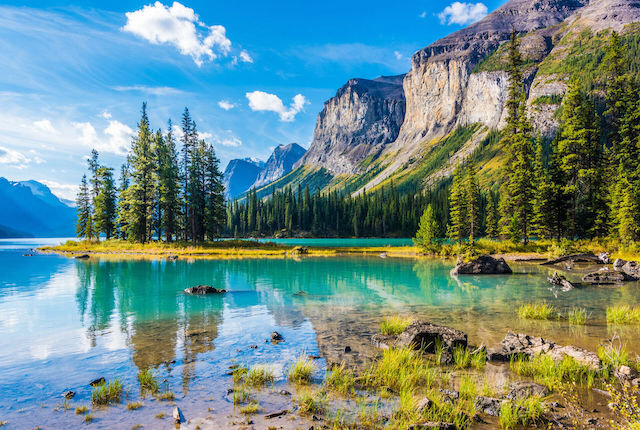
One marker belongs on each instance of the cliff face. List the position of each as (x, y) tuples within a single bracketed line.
[(240, 174), (363, 117), (279, 163)]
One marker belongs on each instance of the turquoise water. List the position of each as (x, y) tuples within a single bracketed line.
[(65, 322)]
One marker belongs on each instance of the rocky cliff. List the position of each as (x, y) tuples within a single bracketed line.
[(363, 117), (373, 132), (279, 163)]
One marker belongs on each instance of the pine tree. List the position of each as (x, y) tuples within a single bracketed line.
[(215, 210), (168, 185), (427, 234), (492, 217), (457, 207), (123, 202), (105, 206), (84, 225), (517, 189), (472, 200)]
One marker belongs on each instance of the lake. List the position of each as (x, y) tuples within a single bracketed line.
[(65, 322)]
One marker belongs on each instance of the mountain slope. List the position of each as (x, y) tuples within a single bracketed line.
[(457, 83), (279, 163), (240, 174), (29, 208)]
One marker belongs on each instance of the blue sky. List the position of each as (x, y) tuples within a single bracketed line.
[(254, 74)]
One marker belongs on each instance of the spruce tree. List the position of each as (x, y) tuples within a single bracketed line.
[(458, 214), (492, 217), (84, 224), (215, 210), (168, 184), (427, 234), (105, 207), (472, 200), (123, 202)]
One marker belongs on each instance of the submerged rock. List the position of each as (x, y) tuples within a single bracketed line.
[(82, 257), (172, 257), (483, 265), (523, 390), (276, 337), (97, 382), (201, 290), (488, 405), (68, 395), (607, 277), (560, 281)]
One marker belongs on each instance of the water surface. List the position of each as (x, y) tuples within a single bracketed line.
[(64, 322)]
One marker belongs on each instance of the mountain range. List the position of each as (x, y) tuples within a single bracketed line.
[(30, 209), (411, 130), (243, 174)]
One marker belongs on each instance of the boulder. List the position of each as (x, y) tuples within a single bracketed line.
[(177, 415), (300, 250), (619, 263), (424, 405), (626, 374), (605, 277), (276, 337), (523, 390), (604, 257), (522, 344), (483, 265), (82, 257), (383, 341), (560, 281), (582, 356), (632, 268), (424, 335), (488, 405), (201, 290)]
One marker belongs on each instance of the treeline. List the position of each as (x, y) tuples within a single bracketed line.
[(386, 212), (585, 183), (164, 193)]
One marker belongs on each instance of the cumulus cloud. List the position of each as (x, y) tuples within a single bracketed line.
[(226, 105), (229, 141), (118, 137), (181, 27), (261, 101), (245, 57), (66, 191), (13, 158), (44, 125), (105, 115), (463, 13)]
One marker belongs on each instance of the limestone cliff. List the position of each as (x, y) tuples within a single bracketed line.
[(279, 163), (363, 117)]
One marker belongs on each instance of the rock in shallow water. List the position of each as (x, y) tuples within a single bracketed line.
[(488, 405), (607, 277), (483, 265), (524, 390), (523, 344), (201, 290)]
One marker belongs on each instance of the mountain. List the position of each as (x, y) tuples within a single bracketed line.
[(411, 130), (240, 174), (279, 163), (30, 209)]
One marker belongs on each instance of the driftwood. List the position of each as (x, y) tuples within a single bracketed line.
[(573, 258)]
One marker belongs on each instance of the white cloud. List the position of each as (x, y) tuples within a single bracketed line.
[(245, 57), (229, 141), (13, 158), (398, 55), (261, 101), (423, 15), (202, 135), (463, 13), (105, 115), (179, 26), (119, 137), (156, 91), (45, 125), (226, 105)]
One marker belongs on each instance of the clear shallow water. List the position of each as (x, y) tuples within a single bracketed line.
[(64, 322)]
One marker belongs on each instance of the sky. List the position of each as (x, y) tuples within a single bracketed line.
[(253, 74)]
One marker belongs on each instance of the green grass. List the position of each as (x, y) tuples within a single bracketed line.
[(239, 373), (399, 369), (81, 410), (468, 388), (394, 325), (577, 316), (134, 406), (88, 418), (463, 358), (301, 371), (508, 417), (613, 355), (148, 382), (526, 412), (250, 409), (259, 376), (312, 402), (106, 394), (241, 394), (537, 311), (341, 380), (544, 370), (623, 315), (166, 396)]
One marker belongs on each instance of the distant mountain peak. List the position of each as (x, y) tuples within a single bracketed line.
[(279, 163)]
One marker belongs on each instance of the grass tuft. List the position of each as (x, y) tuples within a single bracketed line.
[(250, 409), (392, 326), (259, 376), (81, 410), (623, 315), (312, 403), (577, 316), (536, 311), (106, 394), (399, 369), (301, 371), (545, 370), (341, 380), (148, 381), (134, 405), (463, 358), (88, 418)]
